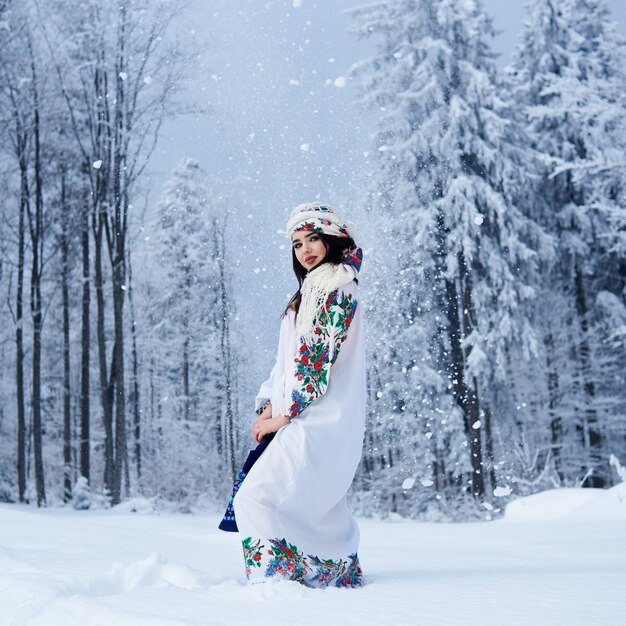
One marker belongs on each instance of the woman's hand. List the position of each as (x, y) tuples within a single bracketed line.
[(270, 425), (265, 415)]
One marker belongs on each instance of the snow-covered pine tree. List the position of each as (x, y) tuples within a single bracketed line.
[(183, 355), (568, 76), (460, 285)]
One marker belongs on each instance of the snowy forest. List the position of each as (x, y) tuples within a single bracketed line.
[(491, 205)]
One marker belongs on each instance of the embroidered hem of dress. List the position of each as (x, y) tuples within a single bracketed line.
[(277, 559)]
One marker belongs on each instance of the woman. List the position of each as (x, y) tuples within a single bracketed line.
[(291, 508)]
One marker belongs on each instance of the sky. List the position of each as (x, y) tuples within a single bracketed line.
[(282, 126), (271, 75)]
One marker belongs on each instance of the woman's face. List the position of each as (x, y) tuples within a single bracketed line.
[(309, 248)]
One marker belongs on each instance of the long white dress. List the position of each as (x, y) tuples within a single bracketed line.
[(291, 508)]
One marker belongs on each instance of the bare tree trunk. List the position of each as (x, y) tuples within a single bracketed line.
[(105, 384), (37, 242), (116, 242), (65, 296), (464, 394), (489, 448), (85, 350), (153, 412), (220, 249), (591, 429), (186, 389), (135, 401), (458, 368), (471, 417), (22, 140), (120, 398), (102, 146), (19, 327), (472, 405), (186, 348), (555, 421), (452, 299)]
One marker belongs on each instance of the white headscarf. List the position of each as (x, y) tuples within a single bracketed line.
[(327, 276)]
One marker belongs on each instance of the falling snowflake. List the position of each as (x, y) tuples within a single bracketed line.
[(408, 483)]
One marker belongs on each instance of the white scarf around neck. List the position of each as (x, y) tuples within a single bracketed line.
[(317, 284)]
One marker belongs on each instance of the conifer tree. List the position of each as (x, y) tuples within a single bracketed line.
[(568, 78), (189, 342), (451, 176)]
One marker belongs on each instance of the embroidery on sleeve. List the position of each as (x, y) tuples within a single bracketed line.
[(313, 362), (262, 407)]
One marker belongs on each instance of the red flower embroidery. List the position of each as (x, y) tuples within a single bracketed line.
[(318, 356), (256, 557), (290, 554)]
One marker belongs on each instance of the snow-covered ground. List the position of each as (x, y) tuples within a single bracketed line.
[(558, 557)]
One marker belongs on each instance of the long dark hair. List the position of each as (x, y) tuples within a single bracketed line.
[(335, 248)]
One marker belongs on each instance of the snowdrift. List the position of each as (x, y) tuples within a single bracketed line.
[(129, 567), (570, 504)]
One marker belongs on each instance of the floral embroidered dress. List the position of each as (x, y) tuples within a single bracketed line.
[(291, 508)]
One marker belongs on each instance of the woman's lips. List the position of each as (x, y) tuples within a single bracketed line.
[(310, 259)]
